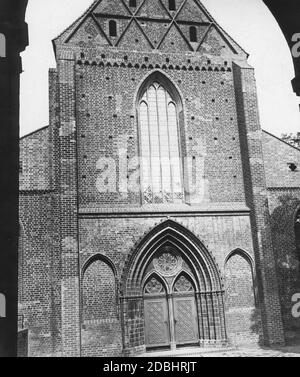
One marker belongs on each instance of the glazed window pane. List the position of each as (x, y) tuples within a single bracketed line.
[(160, 155)]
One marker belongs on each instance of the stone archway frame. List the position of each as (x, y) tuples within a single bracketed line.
[(203, 265), (169, 231)]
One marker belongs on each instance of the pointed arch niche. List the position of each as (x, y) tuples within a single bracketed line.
[(243, 320), (100, 325), (172, 283), (161, 127)]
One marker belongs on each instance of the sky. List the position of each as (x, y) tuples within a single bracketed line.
[(249, 22)]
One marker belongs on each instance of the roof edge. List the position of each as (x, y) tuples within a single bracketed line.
[(34, 132), (75, 22), (278, 138), (221, 28)]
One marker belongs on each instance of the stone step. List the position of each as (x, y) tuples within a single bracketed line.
[(188, 352)]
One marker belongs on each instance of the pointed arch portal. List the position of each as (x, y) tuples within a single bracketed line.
[(172, 292)]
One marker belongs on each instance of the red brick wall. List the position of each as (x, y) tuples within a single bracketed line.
[(107, 118), (257, 200), (39, 242), (68, 207), (39, 275), (39, 258), (277, 157), (34, 161)]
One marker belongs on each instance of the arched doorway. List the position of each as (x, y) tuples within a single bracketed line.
[(172, 293), (171, 316)]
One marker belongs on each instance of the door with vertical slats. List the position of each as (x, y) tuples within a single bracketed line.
[(185, 312), (157, 325)]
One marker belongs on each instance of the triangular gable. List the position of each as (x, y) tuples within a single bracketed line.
[(134, 38), (178, 5), (89, 32), (120, 9), (113, 7), (174, 41), (153, 9), (154, 33), (215, 43), (68, 32), (201, 33), (104, 23), (192, 11), (133, 9)]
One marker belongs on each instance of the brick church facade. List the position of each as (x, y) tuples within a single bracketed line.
[(154, 211)]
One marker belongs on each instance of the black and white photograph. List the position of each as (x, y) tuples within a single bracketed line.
[(150, 181)]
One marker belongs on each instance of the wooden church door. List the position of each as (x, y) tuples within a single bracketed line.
[(157, 325), (185, 312), (174, 322)]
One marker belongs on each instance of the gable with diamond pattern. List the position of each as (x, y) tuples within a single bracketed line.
[(150, 26), (89, 32), (215, 44), (152, 9), (191, 11), (174, 41), (113, 7), (133, 38)]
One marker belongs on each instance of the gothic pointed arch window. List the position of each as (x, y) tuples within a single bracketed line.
[(154, 286), (183, 284), (159, 145)]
